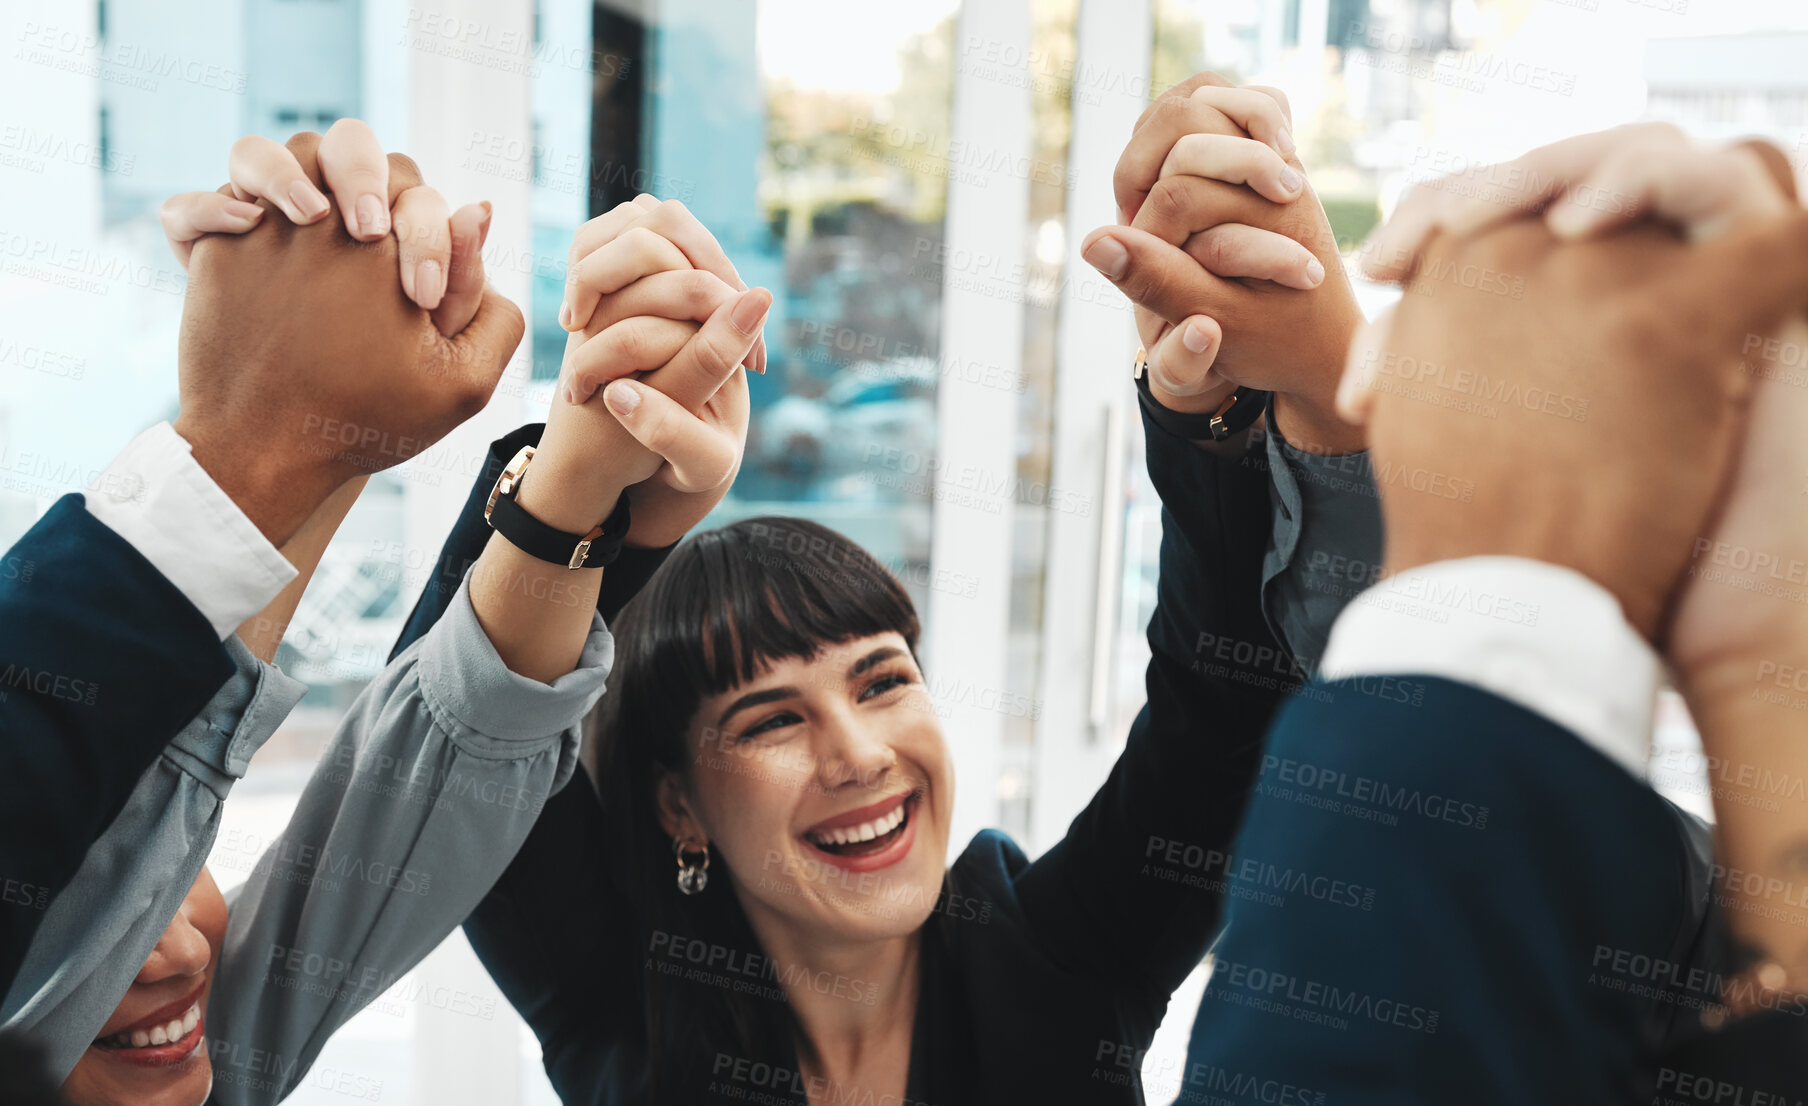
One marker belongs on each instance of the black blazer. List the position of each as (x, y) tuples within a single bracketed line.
[(1041, 981), (102, 662), (1045, 981)]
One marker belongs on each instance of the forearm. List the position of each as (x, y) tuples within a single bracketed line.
[(263, 632), (1753, 720), (427, 790)]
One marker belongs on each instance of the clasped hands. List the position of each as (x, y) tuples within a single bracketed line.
[(317, 350), (1604, 389)]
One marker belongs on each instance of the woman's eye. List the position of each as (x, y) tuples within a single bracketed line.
[(884, 684), (777, 721)]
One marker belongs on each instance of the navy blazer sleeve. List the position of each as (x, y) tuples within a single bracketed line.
[(1133, 891), (544, 906), (102, 662), (1514, 919)]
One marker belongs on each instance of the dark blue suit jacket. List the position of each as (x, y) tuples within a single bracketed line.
[(102, 661), (1526, 935)]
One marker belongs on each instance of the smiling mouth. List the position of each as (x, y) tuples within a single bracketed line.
[(868, 838), (171, 1038)]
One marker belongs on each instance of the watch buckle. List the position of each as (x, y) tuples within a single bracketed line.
[(581, 552)]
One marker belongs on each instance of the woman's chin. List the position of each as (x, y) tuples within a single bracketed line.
[(99, 1080)]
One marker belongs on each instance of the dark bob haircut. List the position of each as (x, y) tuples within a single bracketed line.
[(727, 603)]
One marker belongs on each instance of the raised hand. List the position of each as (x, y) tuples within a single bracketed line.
[(439, 256), (304, 363), (650, 405), (1621, 396), (640, 385), (1230, 259)]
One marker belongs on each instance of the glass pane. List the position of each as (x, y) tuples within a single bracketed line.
[(810, 137)]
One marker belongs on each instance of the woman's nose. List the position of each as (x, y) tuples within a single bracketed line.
[(849, 752), (182, 950)]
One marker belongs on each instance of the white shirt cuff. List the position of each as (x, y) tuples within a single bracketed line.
[(1544, 637), (155, 496)]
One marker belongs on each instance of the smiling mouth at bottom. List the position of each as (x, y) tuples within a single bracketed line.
[(157, 1048)]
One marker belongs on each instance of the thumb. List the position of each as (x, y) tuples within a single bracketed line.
[(1740, 285), (483, 348), (470, 226), (715, 351), (1153, 274), (700, 457)]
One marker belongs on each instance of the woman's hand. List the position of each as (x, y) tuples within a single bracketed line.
[(1236, 280), (441, 264), (671, 426)]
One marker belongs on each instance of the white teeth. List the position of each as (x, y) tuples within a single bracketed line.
[(158, 1036), (174, 1030), (190, 1020), (866, 831), (140, 1039)]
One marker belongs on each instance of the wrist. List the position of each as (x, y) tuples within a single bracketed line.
[(1310, 423), (567, 497), (277, 495), (1749, 710)]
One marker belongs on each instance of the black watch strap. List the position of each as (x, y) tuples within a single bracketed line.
[(1238, 413), (507, 517)]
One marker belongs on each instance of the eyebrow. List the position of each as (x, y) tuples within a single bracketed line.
[(775, 694)]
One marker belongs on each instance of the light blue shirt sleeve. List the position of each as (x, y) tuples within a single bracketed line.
[(421, 799)]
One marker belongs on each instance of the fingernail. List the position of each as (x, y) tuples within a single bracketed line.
[(1194, 338), (429, 281), (1291, 180), (1570, 220), (565, 315), (1315, 272), (622, 399), (373, 217), (239, 209), (750, 312), (1284, 139), (308, 200), (1108, 256)]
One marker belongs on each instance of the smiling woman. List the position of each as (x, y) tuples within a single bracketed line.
[(151, 1049), (767, 727)]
